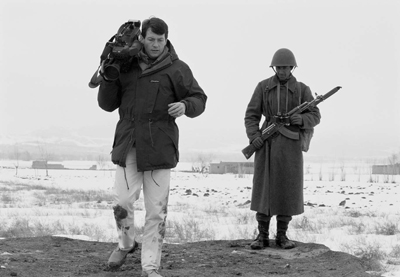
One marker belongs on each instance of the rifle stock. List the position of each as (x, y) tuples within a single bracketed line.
[(249, 150), (266, 133)]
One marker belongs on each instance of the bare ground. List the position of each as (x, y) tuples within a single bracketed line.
[(58, 256)]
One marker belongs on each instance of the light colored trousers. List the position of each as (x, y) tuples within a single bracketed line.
[(127, 187)]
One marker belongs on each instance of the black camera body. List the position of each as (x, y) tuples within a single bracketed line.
[(118, 52)]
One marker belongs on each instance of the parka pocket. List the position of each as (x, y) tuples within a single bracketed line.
[(173, 138), (162, 148), (116, 134), (152, 92)]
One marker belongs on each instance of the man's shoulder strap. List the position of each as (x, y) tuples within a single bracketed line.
[(298, 87), (269, 85)]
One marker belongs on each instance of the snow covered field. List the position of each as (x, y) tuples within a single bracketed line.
[(346, 207)]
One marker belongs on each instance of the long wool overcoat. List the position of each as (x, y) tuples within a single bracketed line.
[(278, 165), (142, 98)]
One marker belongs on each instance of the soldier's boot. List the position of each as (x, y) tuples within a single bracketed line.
[(281, 239), (262, 239)]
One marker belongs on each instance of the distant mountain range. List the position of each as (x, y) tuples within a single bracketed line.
[(92, 142), (61, 144), (67, 146)]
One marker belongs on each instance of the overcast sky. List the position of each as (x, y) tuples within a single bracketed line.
[(50, 49)]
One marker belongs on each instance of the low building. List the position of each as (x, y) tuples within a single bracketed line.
[(386, 169), (232, 167), (46, 165)]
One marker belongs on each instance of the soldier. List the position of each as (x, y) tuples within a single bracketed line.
[(278, 163)]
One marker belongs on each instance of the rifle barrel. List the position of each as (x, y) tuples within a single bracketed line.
[(330, 93), (298, 109)]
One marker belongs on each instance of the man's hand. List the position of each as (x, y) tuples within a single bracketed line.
[(258, 142), (97, 77), (296, 119), (176, 109)]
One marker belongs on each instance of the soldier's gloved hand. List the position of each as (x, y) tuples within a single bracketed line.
[(258, 142), (296, 119)]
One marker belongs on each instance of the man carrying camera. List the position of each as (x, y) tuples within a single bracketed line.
[(150, 94)]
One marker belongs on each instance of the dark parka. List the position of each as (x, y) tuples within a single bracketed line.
[(142, 98), (278, 165)]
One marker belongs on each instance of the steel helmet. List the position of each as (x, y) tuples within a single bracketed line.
[(283, 57)]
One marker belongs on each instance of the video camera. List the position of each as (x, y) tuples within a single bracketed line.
[(117, 52)]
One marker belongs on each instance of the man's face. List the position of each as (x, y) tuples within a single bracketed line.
[(283, 72), (154, 44)]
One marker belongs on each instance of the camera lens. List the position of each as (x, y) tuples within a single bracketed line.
[(111, 72)]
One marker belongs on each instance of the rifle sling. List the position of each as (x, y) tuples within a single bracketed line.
[(284, 131)]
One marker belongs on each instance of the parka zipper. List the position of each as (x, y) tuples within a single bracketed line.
[(151, 136), (129, 147), (129, 143)]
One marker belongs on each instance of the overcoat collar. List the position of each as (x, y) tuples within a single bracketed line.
[(291, 83)]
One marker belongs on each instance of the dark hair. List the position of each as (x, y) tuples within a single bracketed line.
[(157, 25)]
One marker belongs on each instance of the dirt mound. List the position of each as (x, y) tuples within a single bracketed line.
[(58, 256)]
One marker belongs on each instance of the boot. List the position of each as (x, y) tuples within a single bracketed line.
[(262, 239), (151, 273), (283, 241), (282, 226), (118, 256), (260, 242)]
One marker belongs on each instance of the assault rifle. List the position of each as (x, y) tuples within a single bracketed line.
[(281, 121)]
